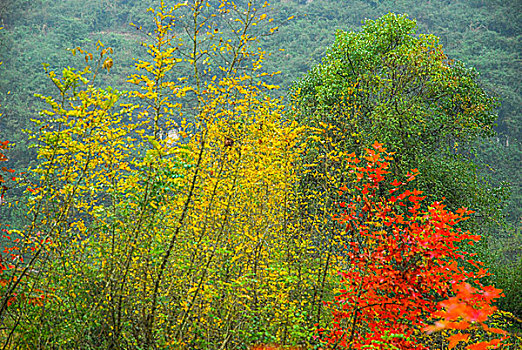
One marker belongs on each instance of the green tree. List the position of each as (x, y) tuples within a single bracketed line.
[(389, 84)]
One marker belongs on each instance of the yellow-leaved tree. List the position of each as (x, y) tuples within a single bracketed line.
[(165, 216)]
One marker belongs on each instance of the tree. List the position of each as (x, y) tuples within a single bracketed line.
[(144, 241), (389, 84), (401, 262)]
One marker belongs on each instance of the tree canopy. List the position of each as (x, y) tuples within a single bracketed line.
[(387, 83)]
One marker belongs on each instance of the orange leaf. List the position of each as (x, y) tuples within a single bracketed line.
[(484, 345), (460, 325), (494, 330), (377, 145), (457, 338)]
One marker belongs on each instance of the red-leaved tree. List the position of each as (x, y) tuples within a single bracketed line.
[(8, 252), (403, 258)]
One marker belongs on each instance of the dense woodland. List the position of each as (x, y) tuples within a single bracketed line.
[(221, 175)]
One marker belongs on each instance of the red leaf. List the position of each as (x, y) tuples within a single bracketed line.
[(396, 183)]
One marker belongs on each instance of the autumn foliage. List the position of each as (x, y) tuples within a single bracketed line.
[(160, 241), (403, 258), (466, 311), (177, 215)]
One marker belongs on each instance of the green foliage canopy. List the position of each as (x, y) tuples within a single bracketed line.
[(390, 84)]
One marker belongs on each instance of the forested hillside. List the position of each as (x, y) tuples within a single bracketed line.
[(484, 35), (227, 174)]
